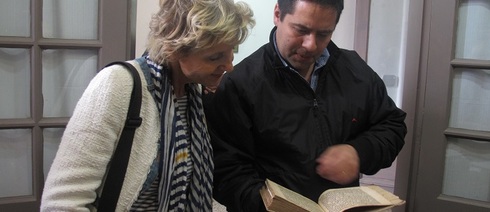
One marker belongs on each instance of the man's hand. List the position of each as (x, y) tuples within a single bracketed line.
[(339, 164)]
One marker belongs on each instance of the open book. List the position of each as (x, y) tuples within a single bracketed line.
[(362, 198)]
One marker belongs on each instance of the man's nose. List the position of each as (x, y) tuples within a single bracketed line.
[(309, 42)]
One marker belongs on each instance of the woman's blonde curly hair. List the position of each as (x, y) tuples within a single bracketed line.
[(184, 26)]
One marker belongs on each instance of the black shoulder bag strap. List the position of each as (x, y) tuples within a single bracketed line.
[(119, 161)]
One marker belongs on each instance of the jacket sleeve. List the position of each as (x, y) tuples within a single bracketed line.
[(380, 144), (236, 182), (88, 143)]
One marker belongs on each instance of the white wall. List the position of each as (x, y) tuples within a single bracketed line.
[(144, 10), (344, 33), (263, 13)]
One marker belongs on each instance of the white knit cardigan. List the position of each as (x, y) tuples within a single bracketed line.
[(90, 138)]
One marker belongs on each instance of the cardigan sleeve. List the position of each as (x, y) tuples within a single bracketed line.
[(88, 143)]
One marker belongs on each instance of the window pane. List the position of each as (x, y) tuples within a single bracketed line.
[(473, 30), (14, 83), (467, 169), (66, 74), (15, 163), (52, 139), (70, 19), (470, 106), (18, 10)]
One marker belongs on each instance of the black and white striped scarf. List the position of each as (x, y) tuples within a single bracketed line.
[(176, 191)]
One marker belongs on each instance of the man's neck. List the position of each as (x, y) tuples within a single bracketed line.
[(306, 74)]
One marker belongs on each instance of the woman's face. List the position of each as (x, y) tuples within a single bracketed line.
[(207, 66)]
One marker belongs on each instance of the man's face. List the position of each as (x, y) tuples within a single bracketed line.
[(302, 36)]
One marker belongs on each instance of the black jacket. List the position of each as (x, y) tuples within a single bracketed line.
[(267, 122)]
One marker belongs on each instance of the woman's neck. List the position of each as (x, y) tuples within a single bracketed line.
[(178, 80)]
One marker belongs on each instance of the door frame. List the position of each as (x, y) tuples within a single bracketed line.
[(414, 58)]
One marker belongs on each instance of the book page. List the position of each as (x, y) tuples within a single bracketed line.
[(293, 197), (335, 200)]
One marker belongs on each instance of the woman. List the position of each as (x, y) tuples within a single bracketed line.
[(170, 168)]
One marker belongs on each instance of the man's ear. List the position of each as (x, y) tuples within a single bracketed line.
[(277, 14)]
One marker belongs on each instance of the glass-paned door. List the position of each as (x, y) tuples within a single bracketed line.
[(49, 52), (454, 163)]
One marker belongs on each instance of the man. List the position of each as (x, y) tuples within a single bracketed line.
[(301, 112)]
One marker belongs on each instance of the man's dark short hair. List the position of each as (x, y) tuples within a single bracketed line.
[(288, 6)]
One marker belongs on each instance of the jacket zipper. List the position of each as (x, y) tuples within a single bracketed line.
[(313, 94), (316, 112), (315, 107)]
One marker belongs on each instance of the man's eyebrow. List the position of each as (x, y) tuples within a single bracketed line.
[(303, 27), (299, 25)]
